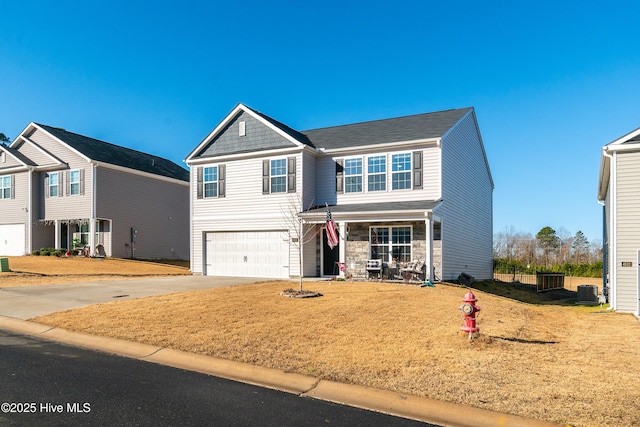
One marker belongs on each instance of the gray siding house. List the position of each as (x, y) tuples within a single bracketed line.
[(57, 186), (619, 192), (415, 188)]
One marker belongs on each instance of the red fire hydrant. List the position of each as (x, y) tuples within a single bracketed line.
[(469, 313)]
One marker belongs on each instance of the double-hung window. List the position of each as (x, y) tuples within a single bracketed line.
[(278, 175), (210, 181), (5, 187), (401, 171), (390, 243), (377, 173), (353, 175), (74, 182), (54, 184)]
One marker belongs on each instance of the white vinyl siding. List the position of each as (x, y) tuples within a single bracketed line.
[(627, 230), (467, 204)]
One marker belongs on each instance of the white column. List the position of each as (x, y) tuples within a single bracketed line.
[(56, 238), (92, 236), (342, 256), (429, 252)]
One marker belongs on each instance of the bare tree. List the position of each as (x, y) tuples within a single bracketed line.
[(300, 232)]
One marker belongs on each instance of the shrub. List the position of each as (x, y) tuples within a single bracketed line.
[(36, 252)]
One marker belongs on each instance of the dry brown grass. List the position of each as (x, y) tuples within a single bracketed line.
[(49, 270), (571, 365)]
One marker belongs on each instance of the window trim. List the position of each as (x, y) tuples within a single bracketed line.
[(354, 175), (57, 185), (384, 173), (283, 176), (9, 186), (206, 182), (408, 171), (390, 244), (72, 183)]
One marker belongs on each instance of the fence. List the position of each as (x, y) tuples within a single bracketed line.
[(540, 281)]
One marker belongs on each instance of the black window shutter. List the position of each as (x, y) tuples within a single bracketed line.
[(221, 180), (417, 170), (199, 182), (265, 177), (339, 176), (82, 182), (62, 182), (46, 185), (291, 175)]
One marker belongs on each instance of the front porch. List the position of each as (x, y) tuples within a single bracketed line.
[(80, 234)]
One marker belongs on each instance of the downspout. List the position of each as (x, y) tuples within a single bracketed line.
[(606, 236)]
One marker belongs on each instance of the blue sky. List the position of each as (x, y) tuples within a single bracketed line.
[(551, 82)]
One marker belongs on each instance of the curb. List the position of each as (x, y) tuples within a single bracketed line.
[(384, 401)]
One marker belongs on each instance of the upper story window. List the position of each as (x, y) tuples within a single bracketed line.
[(74, 182), (401, 171), (5, 187), (377, 173), (54, 184), (406, 171), (211, 181), (278, 175), (353, 175)]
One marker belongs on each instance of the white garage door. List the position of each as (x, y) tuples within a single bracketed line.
[(12, 240), (247, 254)]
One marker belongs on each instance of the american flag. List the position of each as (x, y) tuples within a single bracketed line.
[(332, 234)]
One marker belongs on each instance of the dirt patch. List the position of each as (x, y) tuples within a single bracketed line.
[(571, 365), (48, 270)]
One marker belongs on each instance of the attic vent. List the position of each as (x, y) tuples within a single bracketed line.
[(242, 128), (153, 162)]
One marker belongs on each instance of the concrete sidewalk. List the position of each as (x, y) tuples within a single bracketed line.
[(19, 303)]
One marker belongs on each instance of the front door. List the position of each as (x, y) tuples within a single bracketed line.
[(329, 257)]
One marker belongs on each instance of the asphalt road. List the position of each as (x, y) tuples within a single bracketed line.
[(49, 384)]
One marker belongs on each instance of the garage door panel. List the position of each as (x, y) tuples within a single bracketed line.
[(247, 254), (12, 240)]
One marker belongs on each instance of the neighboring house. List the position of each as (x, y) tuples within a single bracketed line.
[(402, 189), (57, 186), (619, 191)]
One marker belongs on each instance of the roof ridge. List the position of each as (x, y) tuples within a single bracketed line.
[(388, 119)]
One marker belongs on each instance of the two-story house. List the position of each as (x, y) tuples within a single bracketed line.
[(619, 192), (402, 189), (59, 189)]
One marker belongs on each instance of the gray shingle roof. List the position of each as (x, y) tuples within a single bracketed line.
[(106, 152), (18, 155), (408, 128), (413, 205)]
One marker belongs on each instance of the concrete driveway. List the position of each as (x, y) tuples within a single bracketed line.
[(25, 302)]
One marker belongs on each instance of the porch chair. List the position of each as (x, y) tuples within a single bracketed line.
[(413, 271), (374, 268)]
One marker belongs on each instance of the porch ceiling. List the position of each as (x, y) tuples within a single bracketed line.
[(414, 210)]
